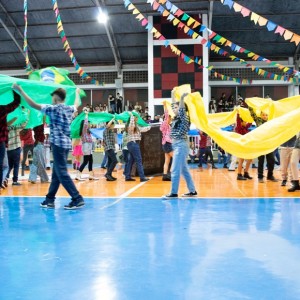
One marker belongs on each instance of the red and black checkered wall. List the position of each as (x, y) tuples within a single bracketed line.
[(169, 69)]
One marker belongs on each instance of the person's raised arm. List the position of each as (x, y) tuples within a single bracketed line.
[(181, 103), (77, 98), (32, 103), (11, 121)]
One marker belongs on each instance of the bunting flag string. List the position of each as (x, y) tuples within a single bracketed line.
[(68, 50), (220, 39), (188, 60), (190, 32), (261, 21), (28, 68), (216, 37)]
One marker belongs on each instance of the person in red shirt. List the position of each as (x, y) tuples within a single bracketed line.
[(242, 128), (27, 140), (4, 111)]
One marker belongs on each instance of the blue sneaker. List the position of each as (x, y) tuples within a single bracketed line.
[(75, 204), (47, 204)]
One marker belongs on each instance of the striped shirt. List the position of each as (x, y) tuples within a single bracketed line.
[(14, 141), (109, 139), (4, 111), (135, 136), (60, 119), (180, 125)]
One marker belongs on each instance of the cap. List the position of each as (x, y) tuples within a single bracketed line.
[(61, 93)]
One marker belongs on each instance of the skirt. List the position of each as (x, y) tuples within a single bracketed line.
[(167, 147), (77, 150)]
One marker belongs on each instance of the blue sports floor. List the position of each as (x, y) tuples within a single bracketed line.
[(136, 248)]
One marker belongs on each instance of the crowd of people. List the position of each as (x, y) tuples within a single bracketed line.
[(15, 139)]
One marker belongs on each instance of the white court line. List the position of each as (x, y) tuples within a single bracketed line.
[(124, 195)]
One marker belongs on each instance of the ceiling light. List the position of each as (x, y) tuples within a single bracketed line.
[(102, 17)]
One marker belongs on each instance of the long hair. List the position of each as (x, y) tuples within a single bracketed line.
[(81, 128), (135, 130)]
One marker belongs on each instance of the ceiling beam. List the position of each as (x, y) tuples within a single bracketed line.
[(110, 34), (20, 33), (210, 13)]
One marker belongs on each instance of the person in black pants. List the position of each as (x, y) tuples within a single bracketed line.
[(109, 141)]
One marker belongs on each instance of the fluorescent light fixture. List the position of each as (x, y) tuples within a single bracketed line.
[(102, 17)]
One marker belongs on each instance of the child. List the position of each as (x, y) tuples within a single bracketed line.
[(133, 146), (242, 128), (77, 153), (14, 151), (60, 116), (180, 128), (38, 166), (109, 141), (87, 147), (165, 128), (270, 156), (193, 152)]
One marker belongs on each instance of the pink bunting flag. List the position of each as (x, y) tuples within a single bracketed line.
[(245, 12), (280, 30)]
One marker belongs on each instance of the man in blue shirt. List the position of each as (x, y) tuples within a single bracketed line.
[(60, 116)]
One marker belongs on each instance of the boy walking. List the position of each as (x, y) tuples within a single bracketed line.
[(60, 116)]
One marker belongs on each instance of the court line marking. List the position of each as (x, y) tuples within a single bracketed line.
[(154, 197)]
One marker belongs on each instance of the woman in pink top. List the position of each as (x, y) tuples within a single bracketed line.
[(87, 149), (165, 128)]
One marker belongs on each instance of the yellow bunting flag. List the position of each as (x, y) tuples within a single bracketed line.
[(254, 17)]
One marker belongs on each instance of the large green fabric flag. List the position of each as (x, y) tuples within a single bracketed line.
[(39, 91), (96, 118)]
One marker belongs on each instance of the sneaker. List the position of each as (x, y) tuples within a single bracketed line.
[(283, 183), (16, 183), (103, 167), (190, 194), (47, 204), (74, 205), (171, 196), (261, 180), (129, 179), (31, 181), (241, 177), (273, 179), (5, 182), (144, 179)]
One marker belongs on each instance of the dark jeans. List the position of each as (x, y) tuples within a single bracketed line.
[(87, 159), (2, 154), (270, 165), (113, 108), (60, 175), (119, 107), (111, 161), (14, 163), (201, 157), (208, 153), (104, 160), (135, 151)]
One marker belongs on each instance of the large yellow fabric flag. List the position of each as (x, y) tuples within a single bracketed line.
[(283, 124)]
